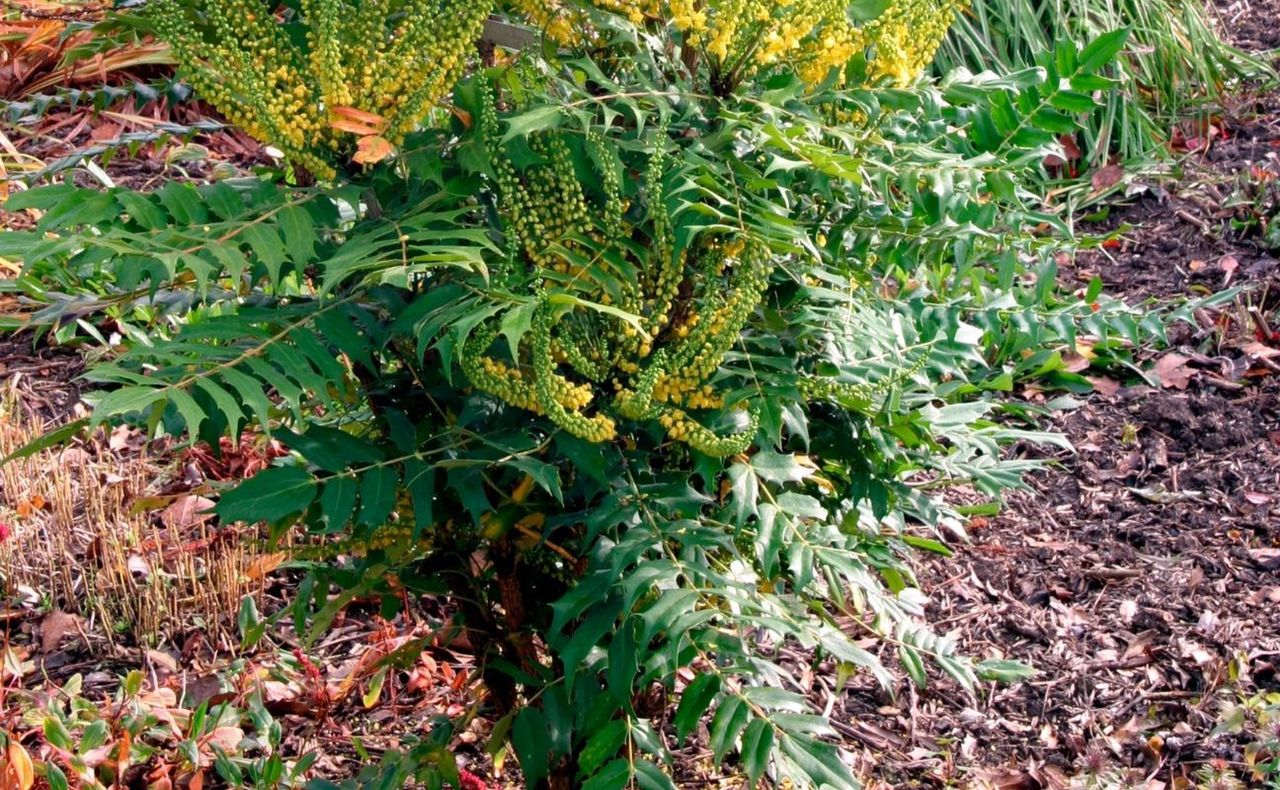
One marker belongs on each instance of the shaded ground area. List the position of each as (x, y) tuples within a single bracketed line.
[(40, 377), (1251, 24), (1203, 233)]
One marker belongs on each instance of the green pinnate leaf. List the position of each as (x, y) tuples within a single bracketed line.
[(532, 743), (271, 495), (377, 495), (695, 702), (757, 749), (1102, 50), (602, 746)]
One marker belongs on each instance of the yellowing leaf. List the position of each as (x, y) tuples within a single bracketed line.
[(17, 771), (373, 149), (349, 119), (265, 564)]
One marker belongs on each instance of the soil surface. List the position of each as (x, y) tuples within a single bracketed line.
[(1251, 24), (1141, 579), (42, 378), (1141, 574)]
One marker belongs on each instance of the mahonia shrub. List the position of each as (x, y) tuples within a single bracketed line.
[(607, 364), (325, 81)]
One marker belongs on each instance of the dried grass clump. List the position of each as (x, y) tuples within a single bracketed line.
[(91, 531)]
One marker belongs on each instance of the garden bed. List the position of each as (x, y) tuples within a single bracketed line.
[(1139, 575)]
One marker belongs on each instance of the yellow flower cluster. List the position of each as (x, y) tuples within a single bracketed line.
[(741, 37), (364, 69), (906, 36)]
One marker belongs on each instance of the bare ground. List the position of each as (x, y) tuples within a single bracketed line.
[(1141, 575)]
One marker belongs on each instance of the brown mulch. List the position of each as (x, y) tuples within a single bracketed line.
[(43, 378), (1195, 237), (1186, 238), (1141, 579), (1251, 24), (1141, 574)]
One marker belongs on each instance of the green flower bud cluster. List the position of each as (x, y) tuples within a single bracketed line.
[(587, 370), (363, 68), (815, 388), (682, 428)]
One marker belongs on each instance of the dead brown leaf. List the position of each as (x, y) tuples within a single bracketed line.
[(107, 131), (226, 738), (1268, 559), (1106, 387), (264, 564), (1173, 371), (186, 511), (1259, 350), (55, 626), (1075, 363), (163, 661), (1106, 177)]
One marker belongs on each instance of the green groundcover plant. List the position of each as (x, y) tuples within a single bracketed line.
[(655, 362), (1176, 63)]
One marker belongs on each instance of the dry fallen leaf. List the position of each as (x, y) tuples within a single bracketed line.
[(1080, 356), (54, 628), (73, 456), (121, 436), (186, 511), (163, 660), (226, 738), (107, 131), (1075, 363), (1106, 177), (1172, 370), (1260, 350), (95, 757), (1104, 386), (264, 564), (30, 507), (1268, 559)]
